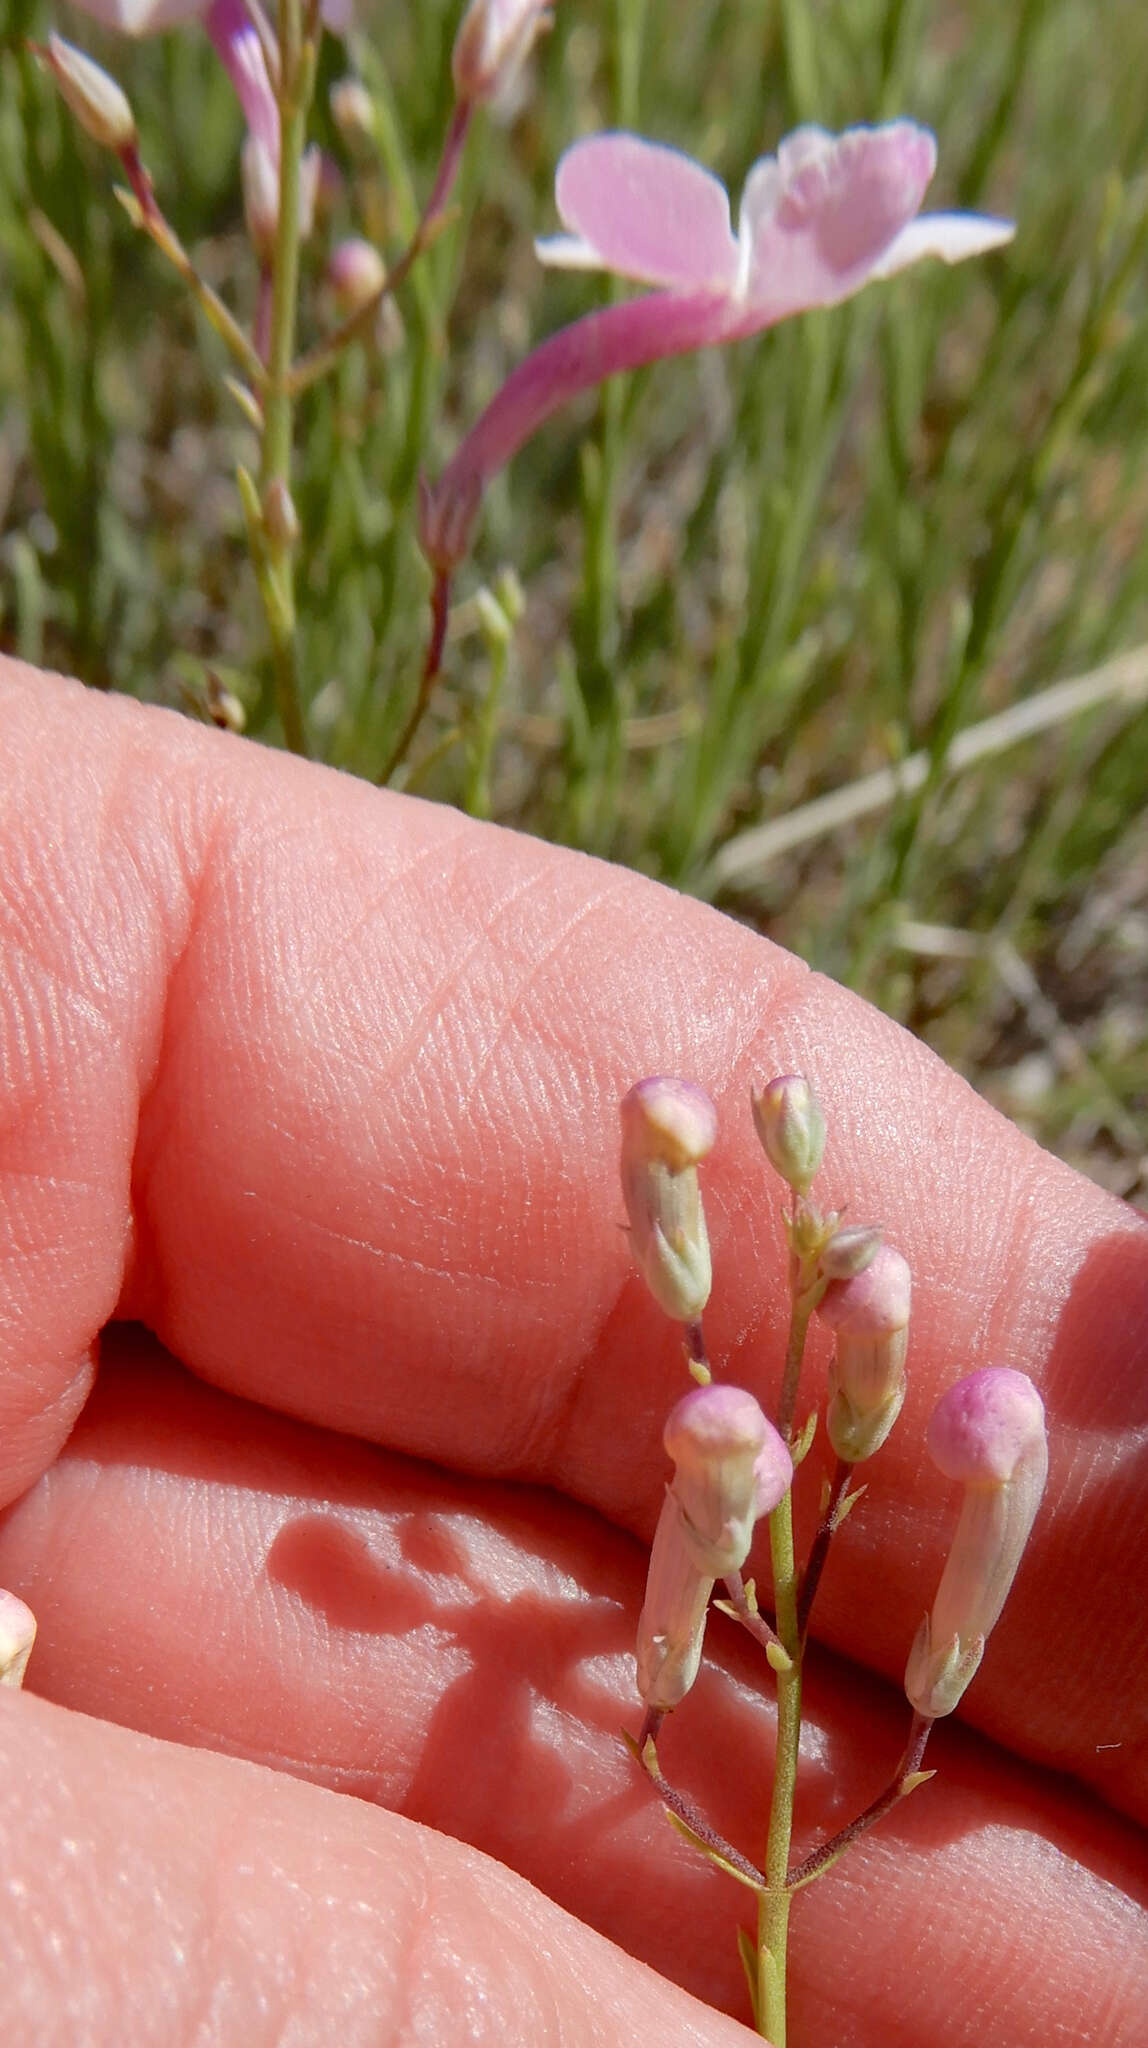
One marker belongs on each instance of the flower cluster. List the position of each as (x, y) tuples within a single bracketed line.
[(734, 1468)]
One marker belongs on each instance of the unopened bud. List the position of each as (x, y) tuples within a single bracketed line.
[(850, 1251), (259, 176), (495, 38), (667, 1127), (869, 1315), (988, 1432), (352, 110), (98, 103), (731, 1467), (17, 1635), (356, 274), (788, 1120), (279, 515), (311, 171)]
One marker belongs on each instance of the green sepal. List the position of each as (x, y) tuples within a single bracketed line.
[(801, 1445)]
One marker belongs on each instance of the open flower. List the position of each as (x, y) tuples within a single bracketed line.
[(818, 221)]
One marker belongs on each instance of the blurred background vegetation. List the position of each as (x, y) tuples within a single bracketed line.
[(755, 581)]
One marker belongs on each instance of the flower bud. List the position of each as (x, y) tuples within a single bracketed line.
[(356, 274), (988, 1432), (95, 99), (259, 176), (788, 1120), (849, 1251), (495, 38), (279, 515), (17, 1635), (667, 1127), (352, 110), (869, 1316), (730, 1467)]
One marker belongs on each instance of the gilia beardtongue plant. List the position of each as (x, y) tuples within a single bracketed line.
[(733, 1467)]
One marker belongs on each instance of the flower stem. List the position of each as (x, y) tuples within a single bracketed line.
[(906, 1779), (773, 1907), (277, 585), (815, 1565)]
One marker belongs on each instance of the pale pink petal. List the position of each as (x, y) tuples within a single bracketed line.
[(951, 236), (651, 213), (567, 252), (815, 232), (142, 17)]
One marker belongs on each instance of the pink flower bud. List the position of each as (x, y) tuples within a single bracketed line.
[(788, 1120), (730, 1467), (869, 1315), (17, 1635), (988, 1432), (667, 1127), (494, 40), (95, 99), (356, 274)]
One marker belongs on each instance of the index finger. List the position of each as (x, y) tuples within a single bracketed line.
[(321, 1083)]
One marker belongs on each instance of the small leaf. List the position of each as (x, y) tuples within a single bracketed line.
[(914, 1779), (847, 1506), (748, 1953), (800, 1448)]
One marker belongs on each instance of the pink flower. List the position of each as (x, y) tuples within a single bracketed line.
[(818, 221), (668, 1127)]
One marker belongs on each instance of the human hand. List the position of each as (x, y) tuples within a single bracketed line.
[(320, 1085)]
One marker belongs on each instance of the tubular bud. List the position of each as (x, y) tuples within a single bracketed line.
[(788, 1120), (17, 1635), (495, 38), (667, 1127), (98, 103), (869, 1315), (730, 1467), (259, 177), (356, 274), (988, 1432)]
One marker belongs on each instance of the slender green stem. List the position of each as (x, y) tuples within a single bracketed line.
[(477, 798), (277, 585), (773, 1907), (143, 209)]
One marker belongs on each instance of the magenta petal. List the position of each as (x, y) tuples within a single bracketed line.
[(229, 26), (651, 213)]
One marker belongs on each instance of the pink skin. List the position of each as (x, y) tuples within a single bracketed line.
[(818, 222), (309, 1080)]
